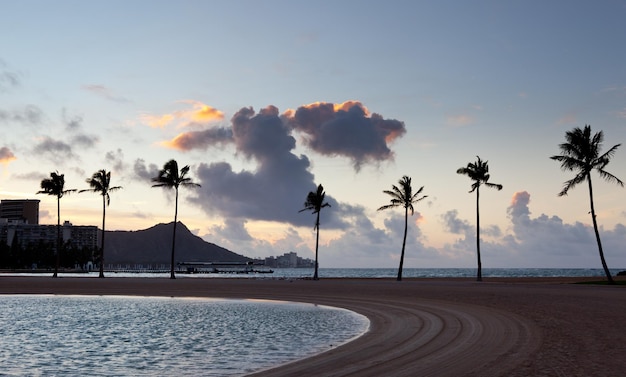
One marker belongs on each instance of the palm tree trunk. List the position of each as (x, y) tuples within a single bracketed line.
[(479, 272), (406, 220), (172, 275), (595, 228), (317, 242), (58, 260), (101, 275)]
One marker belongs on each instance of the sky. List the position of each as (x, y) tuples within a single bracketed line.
[(264, 100)]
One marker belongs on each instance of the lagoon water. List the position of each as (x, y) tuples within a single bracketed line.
[(124, 336)]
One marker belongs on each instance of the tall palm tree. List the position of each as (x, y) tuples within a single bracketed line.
[(170, 177), (403, 196), (100, 183), (581, 154), (54, 186), (315, 202), (479, 173)]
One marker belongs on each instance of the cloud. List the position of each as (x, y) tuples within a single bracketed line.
[(74, 125), (144, 172), (28, 115), (546, 234), (116, 160), (56, 150), (276, 190), (157, 121), (199, 114), (200, 139), (8, 79), (84, 140), (465, 244), (104, 92), (234, 236), (31, 176), (361, 244), (6, 156), (346, 129), (364, 245), (233, 230), (543, 241), (453, 224)]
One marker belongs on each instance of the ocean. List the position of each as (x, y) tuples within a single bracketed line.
[(374, 273)]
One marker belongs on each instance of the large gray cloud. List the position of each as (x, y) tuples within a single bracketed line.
[(276, 190), (346, 130)]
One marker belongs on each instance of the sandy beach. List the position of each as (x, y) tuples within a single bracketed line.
[(422, 327)]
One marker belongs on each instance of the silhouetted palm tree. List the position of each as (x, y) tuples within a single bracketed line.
[(170, 177), (315, 202), (100, 183), (403, 196), (54, 186), (581, 154), (479, 173)]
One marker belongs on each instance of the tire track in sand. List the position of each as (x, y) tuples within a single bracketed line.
[(428, 338)]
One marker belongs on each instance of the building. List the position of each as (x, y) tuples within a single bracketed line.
[(26, 234), (20, 210), (289, 260)]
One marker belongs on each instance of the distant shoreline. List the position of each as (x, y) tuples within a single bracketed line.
[(443, 327), (349, 273)]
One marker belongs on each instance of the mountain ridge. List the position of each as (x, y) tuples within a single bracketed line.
[(153, 246)]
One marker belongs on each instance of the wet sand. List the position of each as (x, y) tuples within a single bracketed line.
[(422, 327)]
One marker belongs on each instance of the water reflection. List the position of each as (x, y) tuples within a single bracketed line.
[(122, 336)]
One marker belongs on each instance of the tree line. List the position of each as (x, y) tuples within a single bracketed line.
[(580, 153), (42, 254)]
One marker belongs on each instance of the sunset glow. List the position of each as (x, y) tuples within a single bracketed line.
[(264, 105)]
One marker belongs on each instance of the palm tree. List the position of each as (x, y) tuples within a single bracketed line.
[(479, 173), (100, 183), (54, 186), (581, 154), (403, 196), (315, 202), (170, 177)]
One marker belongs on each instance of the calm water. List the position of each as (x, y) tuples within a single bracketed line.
[(296, 273), (129, 336)]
